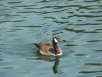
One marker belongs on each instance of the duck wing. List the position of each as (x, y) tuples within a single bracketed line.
[(46, 48)]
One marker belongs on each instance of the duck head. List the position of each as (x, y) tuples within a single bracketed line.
[(56, 39)]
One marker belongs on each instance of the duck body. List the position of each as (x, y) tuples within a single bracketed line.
[(49, 49)]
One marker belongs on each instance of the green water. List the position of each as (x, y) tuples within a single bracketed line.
[(25, 22)]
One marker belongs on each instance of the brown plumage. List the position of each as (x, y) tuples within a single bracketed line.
[(50, 49)]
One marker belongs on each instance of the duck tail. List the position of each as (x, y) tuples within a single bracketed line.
[(36, 45)]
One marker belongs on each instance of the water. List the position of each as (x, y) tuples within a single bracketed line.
[(77, 22)]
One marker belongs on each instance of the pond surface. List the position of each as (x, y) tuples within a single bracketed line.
[(25, 22)]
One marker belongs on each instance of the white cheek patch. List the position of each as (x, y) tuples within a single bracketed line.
[(55, 40)]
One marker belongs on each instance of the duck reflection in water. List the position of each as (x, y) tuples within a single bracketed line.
[(56, 60), (56, 64)]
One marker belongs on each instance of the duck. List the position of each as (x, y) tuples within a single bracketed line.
[(50, 49)]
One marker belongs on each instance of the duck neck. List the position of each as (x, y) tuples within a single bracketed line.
[(55, 46)]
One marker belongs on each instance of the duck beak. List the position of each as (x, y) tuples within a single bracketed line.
[(63, 40), (60, 40)]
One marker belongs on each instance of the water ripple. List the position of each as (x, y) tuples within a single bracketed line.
[(88, 72), (94, 41), (80, 31), (98, 50), (23, 22), (93, 64)]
